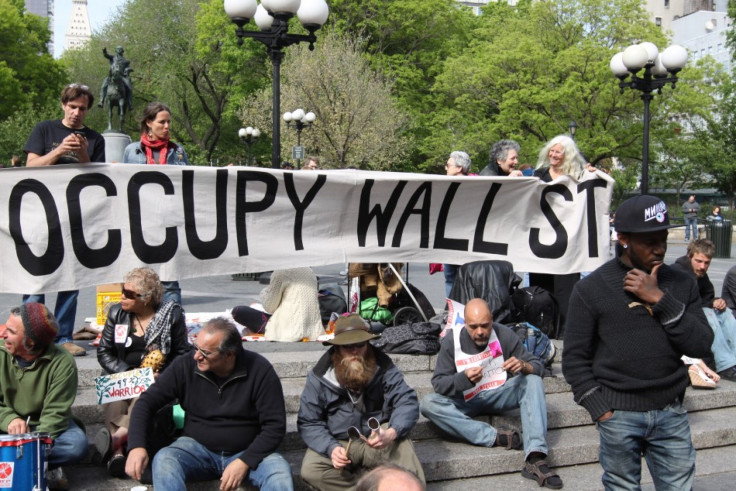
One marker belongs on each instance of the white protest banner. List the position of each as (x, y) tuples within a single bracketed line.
[(123, 385), (70, 226)]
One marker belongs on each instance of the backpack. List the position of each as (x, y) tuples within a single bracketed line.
[(539, 308), (418, 338), (331, 299), (536, 342)]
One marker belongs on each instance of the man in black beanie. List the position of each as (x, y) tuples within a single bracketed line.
[(628, 324)]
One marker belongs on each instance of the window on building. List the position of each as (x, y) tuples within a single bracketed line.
[(666, 4), (658, 21)]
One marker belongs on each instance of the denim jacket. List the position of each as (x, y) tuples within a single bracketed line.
[(134, 154)]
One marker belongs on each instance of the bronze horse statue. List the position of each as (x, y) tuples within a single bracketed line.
[(116, 96)]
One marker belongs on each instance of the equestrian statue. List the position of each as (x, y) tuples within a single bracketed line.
[(116, 88)]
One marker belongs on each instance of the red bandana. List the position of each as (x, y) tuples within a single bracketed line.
[(161, 145)]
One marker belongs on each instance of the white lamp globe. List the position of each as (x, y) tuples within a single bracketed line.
[(635, 57), (240, 8), (242, 132), (249, 130), (256, 132), (266, 4), (283, 6), (310, 117), (263, 19), (298, 115), (617, 65), (313, 13), (652, 51), (658, 69), (674, 58), (288, 116)]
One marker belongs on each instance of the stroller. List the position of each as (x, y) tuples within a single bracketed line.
[(384, 296)]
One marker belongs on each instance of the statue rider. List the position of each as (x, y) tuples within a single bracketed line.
[(119, 61)]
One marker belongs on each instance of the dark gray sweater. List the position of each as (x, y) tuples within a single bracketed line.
[(617, 355)]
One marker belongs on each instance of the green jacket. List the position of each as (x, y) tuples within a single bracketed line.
[(45, 391)]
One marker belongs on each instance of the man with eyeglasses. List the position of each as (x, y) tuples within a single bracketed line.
[(351, 384), (65, 141), (235, 418)]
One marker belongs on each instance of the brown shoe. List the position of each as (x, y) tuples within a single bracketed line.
[(74, 349)]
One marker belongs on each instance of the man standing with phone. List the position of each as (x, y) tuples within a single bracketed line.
[(65, 141)]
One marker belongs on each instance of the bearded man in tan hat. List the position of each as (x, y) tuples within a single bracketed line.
[(356, 386)]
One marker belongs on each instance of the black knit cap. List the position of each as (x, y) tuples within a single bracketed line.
[(642, 214)]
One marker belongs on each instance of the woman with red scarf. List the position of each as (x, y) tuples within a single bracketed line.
[(156, 148)]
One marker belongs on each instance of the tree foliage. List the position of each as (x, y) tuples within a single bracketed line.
[(29, 77), (358, 123)]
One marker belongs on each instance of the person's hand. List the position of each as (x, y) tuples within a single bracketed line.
[(339, 457), (605, 416), (644, 285), (513, 365), (381, 438), (72, 143), (516, 173), (18, 426), (233, 475), (590, 167), (474, 374), (136, 463), (719, 304)]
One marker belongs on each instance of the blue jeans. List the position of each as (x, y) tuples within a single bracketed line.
[(724, 337), (185, 460), (172, 291), (691, 223), (455, 416), (65, 312), (661, 435), (449, 270), (69, 448)]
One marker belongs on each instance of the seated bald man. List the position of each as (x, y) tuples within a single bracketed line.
[(483, 368)]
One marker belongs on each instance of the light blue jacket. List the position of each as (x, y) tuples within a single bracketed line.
[(135, 154)]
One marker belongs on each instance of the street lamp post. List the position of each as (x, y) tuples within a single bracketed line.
[(249, 136), (272, 18), (660, 69), (301, 121), (572, 128)]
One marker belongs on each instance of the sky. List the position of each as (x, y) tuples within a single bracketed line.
[(100, 11)]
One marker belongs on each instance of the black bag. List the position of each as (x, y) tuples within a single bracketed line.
[(419, 338), (331, 299), (539, 308)]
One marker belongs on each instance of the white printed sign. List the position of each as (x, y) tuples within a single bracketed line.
[(123, 385)]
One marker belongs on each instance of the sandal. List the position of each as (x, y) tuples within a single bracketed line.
[(699, 379), (540, 472), (513, 439)]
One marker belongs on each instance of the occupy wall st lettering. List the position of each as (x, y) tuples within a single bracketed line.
[(104, 256)]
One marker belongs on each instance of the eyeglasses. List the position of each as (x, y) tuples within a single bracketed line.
[(354, 345), (130, 294), (77, 86), (205, 354)]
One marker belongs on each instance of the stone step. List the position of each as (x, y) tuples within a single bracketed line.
[(573, 452)]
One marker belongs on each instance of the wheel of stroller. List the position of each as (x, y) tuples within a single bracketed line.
[(407, 315)]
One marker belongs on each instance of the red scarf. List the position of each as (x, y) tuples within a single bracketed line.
[(161, 145)]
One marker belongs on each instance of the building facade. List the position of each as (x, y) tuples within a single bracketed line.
[(44, 8), (79, 32)]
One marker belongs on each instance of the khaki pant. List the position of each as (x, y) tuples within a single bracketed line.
[(317, 470)]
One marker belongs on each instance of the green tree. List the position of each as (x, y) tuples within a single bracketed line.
[(530, 70), (721, 149), (358, 123)]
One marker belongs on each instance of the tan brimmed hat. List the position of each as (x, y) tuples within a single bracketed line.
[(350, 329)]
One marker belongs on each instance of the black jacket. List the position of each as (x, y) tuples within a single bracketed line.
[(111, 355), (489, 280)]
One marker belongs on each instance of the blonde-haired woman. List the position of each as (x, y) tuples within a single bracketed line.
[(141, 328)]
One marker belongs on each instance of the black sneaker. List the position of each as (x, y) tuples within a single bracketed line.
[(728, 374)]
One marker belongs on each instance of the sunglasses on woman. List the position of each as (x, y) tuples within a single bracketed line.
[(130, 294)]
